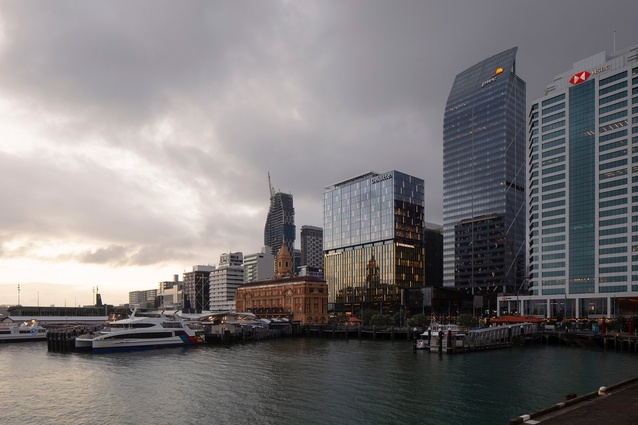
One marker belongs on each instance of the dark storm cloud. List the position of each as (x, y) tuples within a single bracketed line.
[(164, 118)]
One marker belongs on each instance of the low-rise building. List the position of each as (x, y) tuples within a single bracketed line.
[(301, 298)]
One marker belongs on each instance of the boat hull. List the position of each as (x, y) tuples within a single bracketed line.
[(22, 338), (134, 344)]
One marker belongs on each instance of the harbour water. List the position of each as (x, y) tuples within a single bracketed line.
[(297, 381)]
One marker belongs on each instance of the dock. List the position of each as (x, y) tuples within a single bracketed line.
[(611, 405), (360, 332), (480, 339)]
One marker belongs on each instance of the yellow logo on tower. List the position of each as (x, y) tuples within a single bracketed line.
[(493, 78)]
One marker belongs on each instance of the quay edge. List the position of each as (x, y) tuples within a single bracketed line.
[(601, 408)]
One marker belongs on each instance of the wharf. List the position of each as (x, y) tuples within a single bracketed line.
[(361, 332), (616, 405), (477, 339), (618, 341)]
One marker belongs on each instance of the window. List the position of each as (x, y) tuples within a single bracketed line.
[(613, 202), (616, 211), (612, 155), (613, 183), (553, 213), (553, 230), (613, 164), (613, 145), (613, 107), (611, 117), (554, 169), (611, 136), (553, 178), (554, 134), (615, 87), (611, 79), (554, 143), (558, 124), (554, 152), (553, 160), (554, 117), (613, 97), (559, 203), (554, 187), (553, 99)]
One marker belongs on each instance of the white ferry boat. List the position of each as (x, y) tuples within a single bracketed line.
[(430, 338), (140, 332), (26, 331)]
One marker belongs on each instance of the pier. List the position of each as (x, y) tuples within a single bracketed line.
[(611, 405), (448, 341), (361, 332), (617, 341), (61, 339)]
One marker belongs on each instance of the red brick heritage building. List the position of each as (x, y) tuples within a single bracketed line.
[(302, 298)]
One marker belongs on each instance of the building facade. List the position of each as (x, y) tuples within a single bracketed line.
[(433, 241), (373, 241), (259, 266), (142, 298), (197, 288), (171, 293), (484, 178), (280, 223), (304, 299), (284, 263), (312, 246), (225, 280), (583, 181)]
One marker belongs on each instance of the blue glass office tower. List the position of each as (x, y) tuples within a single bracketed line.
[(484, 178), (280, 223), (373, 241), (583, 191)]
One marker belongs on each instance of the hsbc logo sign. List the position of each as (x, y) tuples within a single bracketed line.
[(579, 78), (583, 76)]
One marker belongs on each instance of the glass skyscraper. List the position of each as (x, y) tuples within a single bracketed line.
[(280, 223), (583, 186), (373, 241), (484, 178)]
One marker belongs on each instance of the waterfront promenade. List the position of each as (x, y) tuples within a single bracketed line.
[(615, 405)]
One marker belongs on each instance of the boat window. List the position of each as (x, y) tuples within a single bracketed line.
[(142, 325), (141, 335)]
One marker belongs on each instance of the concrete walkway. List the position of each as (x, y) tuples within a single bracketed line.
[(618, 406)]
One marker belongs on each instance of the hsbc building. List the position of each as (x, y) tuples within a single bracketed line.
[(582, 191)]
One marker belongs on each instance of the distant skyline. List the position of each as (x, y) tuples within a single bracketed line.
[(137, 137)]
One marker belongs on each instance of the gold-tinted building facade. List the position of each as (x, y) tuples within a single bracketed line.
[(373, 241)]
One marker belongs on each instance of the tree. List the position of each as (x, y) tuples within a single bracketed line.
[(338, 319), (467, 321), (367, 315), (381, 320), (418, 320)]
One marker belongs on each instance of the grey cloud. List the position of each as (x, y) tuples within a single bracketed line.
[(312, 92)]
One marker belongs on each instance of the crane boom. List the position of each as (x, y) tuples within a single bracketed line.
[(272, 190)]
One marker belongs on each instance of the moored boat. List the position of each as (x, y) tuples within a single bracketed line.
[(140, 332), (438, 334), (26, 331)]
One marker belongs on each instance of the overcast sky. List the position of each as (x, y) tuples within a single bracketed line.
[(136, 137)]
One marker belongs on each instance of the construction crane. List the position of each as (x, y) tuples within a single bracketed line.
[(272, 189)]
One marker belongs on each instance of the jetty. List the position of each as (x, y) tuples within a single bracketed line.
[(61, 339), (359, 332), (448, 340), (609, 405)]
